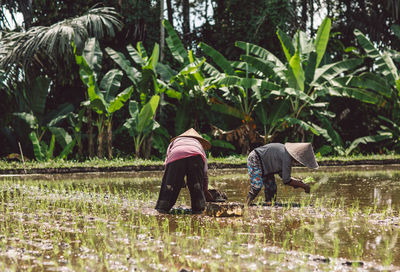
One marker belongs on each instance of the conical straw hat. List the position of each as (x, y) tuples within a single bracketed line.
[(303, 153), (194, 134)]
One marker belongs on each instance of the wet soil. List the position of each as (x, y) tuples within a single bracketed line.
[(107, 222)]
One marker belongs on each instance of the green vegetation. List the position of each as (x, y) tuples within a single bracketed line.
[(68, 84)]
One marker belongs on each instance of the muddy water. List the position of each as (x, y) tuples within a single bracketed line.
[(107, 222)]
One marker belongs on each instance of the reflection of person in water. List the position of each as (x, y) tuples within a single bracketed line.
[(185, 157), (275, 158)]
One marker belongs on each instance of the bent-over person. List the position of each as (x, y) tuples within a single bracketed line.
[(185, 157), (276, 158)]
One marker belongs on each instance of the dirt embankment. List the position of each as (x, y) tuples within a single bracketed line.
[(160, 167)]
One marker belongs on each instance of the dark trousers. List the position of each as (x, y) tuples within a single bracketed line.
[(174, 179), (270, 189)]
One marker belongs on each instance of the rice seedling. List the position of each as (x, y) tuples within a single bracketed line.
[(110, 224)]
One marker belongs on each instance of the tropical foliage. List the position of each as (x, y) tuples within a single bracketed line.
[(238, 97), (103, 94), (40, 122)]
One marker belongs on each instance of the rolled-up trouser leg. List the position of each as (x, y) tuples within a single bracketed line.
[(172, 182), (195, 183), (270, 189), (255, 176)]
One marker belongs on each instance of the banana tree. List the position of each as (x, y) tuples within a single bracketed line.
[(304, 80), (188, 86), (43, 124), (142, 122), (140, 69), (187, 82), (382, 80), (104, 97), (235, 91)]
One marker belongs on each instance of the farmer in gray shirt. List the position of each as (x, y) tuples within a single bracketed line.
[(275, 158)]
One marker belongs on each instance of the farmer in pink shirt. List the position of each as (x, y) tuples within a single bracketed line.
[(185, 157)]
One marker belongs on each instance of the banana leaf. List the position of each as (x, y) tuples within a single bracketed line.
[(135, 55), (119, 101), (182, 118), (383, 64), (328, 132), (305, 44), (211, 70), (110, 84), (142, 51), (355, 93), (264, 66), (229, 110), (392, 69), (270, 114), (261, 53), (93, 55), (297, 69), (242, 66), (310, 69), (321, 41), (368, 81), (59, 114), (369, 48), (67, 150), (154, 57), (165, 71), (366, 140), (287, 44), (37, 150), (61, 136), (147, 112), (301, 123), (218, 58), (132, 73), (175, 45), (50, 150), (331, 71)]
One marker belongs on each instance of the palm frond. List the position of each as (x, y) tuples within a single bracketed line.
[(43, 44)]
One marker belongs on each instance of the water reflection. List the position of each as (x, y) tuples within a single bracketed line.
[(352, 213), (370, 185)]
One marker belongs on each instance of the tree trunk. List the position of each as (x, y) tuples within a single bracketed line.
[(90, 136), (304, 15), (147, 146), (100, 139), (312, 18), (186, 22), (109, 139), (80, 148), (162, 31), (170, 12)]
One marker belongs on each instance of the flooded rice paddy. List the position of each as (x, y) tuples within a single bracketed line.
[(107, 222)]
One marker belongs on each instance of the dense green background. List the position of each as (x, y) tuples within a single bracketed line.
[(201, 25)]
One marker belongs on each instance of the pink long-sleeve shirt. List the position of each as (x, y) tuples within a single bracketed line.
[(184, 147)]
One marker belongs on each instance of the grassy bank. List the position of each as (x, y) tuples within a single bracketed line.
[(132, 162)]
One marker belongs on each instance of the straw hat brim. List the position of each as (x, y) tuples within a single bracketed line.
[(303, 153), (194, 134)]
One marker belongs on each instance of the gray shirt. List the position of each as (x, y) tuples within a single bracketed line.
[(275, 160)]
